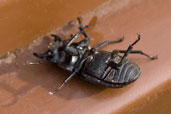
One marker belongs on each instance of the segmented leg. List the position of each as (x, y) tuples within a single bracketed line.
[(73, 39), (34, 63), (109, 42), (82, 43), (63, 83), (71, 51), (129, 50), (82, 30), (138, 52), (76, 70)]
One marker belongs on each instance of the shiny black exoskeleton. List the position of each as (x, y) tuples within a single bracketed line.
[(101, 67)]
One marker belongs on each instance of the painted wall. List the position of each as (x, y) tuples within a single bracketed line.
[(24, 20)]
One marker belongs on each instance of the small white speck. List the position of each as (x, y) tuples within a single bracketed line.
[(51, 93)]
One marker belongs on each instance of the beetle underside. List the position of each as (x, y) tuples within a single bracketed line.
[(101, 67)]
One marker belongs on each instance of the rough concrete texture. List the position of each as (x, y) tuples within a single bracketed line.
[(24, 88)]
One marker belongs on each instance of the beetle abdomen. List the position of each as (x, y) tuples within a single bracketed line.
[(98, 71), (128, 72), (97, 64)]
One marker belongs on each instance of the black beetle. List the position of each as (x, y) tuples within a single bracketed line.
[(105, 68)]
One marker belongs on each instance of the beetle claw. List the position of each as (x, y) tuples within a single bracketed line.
[(121, 39), (52, 92), (154, 57), (34, 63)]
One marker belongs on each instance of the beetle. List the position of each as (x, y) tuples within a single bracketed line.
[(101, 67)]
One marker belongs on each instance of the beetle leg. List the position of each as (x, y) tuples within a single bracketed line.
[(139, 52), (82, 30), (109, 42), (35, 63), (63, 83), (129, 50), (71, 51), (84, 43), (80, 22), (69, 77), (73, 39)]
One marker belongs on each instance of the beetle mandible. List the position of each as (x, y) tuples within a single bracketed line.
[(101, 67)]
